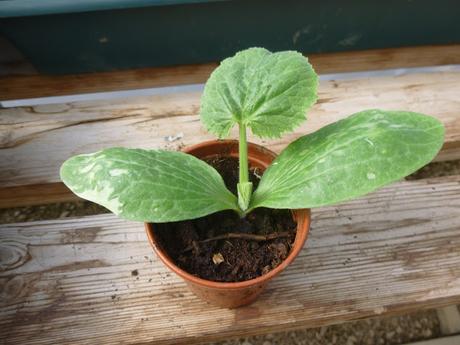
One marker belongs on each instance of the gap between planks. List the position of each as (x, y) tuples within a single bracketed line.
[(394, 251), (38, 85)]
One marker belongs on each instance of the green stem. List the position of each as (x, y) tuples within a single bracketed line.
[(244, 186), (243, 155)]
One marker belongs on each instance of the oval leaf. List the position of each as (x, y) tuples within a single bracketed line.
[(268, 92), (148, 185), (349, 158)]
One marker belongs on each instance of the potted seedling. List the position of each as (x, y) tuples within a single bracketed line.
[(227, 216)]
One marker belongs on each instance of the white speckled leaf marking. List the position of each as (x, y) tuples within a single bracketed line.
[(148, 185), (349, 158)]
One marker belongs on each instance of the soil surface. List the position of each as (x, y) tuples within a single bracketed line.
[(224, 247)]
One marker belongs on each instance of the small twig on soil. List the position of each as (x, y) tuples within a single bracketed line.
[(256, 174), (236, 235)]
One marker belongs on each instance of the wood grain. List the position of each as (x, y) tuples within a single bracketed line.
[(33, 86), (71, 282), (34, 141), (35, 194)]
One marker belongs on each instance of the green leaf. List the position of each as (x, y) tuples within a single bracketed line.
[(148, 185), (268, 92), (349, 158)]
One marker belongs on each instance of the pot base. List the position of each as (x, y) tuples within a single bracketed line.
[(227, 298)]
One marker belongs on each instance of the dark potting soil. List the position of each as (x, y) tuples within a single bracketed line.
[(206, 247)]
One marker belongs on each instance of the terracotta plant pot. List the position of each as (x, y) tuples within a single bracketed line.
[(232, 295)]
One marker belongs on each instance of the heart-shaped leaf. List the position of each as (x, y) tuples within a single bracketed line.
[(268, 92), (148, 185), (349, 158)]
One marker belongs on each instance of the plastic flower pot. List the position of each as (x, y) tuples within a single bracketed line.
[(223, 294)]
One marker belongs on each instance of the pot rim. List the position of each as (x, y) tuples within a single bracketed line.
[(302, 216)]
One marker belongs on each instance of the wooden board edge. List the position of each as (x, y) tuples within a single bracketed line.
[(452, 340), (396, 310), (36, 194), (35, 86)]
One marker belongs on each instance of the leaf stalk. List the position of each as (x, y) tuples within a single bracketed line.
[(243, 155), (244, 187)]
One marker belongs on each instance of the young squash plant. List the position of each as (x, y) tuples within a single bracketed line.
[(269, 94)]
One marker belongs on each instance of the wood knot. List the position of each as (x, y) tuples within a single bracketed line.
[(13, 289), (13, 254)]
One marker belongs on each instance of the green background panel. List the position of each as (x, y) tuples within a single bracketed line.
[(156, 34)]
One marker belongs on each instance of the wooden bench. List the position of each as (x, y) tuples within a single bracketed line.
[(96, 280)]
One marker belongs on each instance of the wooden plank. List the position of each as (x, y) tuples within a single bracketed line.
[(34, 141), (449, 320), (33, 86), (35, 194), (70, 281), (453, 340)]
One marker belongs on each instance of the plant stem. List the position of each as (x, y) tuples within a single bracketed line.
[(244, 186), (243, 155)]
